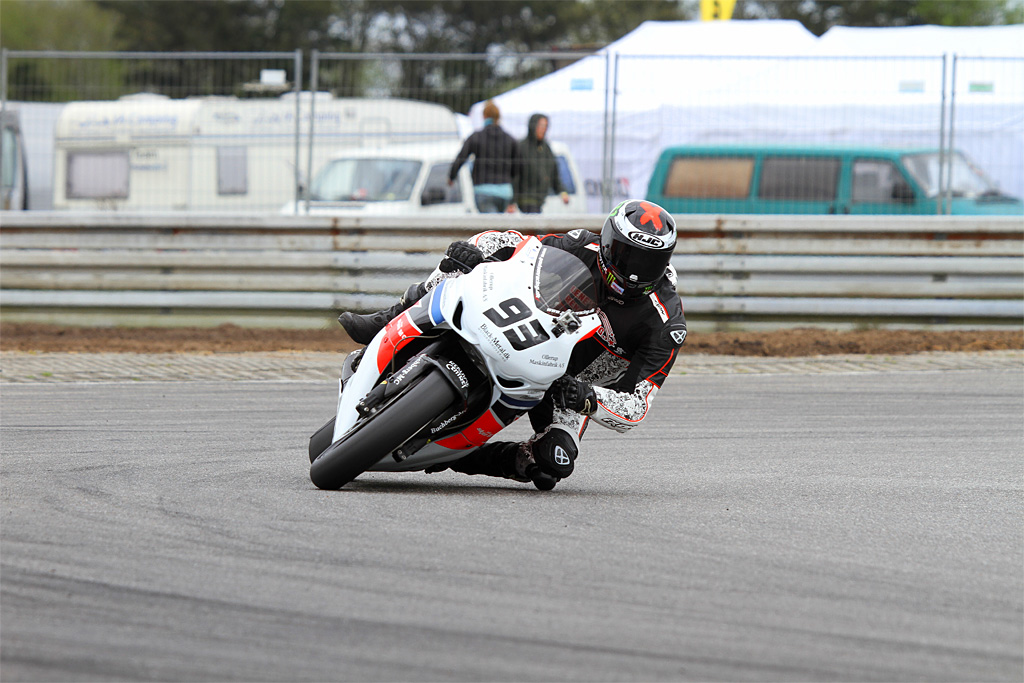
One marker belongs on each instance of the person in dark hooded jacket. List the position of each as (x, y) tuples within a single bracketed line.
[(538, 170), (495, 160)]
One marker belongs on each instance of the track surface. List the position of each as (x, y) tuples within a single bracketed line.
[(763, 527)]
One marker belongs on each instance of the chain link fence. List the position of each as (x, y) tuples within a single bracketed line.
[(242, 131)]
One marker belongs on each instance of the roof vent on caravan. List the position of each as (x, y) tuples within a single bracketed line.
[(305, 96), (144, 97)]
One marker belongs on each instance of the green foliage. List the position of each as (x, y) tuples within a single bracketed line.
[(820, 15), (57, 25), (463, 26), (501, 29), (65, 25)]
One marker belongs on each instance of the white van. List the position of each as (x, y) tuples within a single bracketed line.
[(150, 152), (413, 180)]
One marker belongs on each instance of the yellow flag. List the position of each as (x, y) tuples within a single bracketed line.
[(712, 10)]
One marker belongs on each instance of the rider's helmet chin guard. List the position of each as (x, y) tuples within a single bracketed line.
[(637, 241)]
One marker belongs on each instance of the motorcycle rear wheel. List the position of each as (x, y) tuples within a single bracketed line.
[(382, 433)]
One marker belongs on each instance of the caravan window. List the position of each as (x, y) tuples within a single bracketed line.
[(799, 178), (232, 170), (97, 175), (709, 178)]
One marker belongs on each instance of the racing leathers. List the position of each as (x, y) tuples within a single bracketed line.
[(626, 362)]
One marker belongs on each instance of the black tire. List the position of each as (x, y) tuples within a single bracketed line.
[(321, 441), (377, 437)]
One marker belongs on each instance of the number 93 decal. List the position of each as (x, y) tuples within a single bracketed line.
[(512, 311)]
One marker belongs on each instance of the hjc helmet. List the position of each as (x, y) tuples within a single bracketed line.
[(636, 246)]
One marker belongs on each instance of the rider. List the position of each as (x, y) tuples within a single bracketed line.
[(614, 375)]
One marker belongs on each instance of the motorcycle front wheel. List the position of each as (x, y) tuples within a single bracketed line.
[(380, 434)]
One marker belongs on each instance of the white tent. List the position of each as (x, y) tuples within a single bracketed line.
[(775, 82)]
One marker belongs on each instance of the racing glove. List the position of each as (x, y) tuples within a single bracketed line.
[(569, 393), (461, 256)]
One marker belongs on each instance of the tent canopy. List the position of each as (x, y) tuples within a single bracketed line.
[(669, 83)]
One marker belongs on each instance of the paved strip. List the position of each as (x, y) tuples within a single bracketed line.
[(863, 527), (20, 367)]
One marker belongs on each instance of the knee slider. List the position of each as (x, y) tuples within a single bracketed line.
[(555, 453)]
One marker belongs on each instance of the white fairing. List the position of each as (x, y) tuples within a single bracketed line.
[(494, 309), (486, 288)]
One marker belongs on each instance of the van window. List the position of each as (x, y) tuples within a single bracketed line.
[(366, 180), (874, 181), (964, 179), (9, 147), (12, 195), (232, 170), (564, 175), (436, 189), (799, 178), (709, 178), (97, 175)]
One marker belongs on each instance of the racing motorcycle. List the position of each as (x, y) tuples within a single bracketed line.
[(467, 359)]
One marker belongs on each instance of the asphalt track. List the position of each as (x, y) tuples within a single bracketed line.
[(759, 527)]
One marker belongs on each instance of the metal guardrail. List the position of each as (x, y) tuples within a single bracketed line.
[(744, 271)]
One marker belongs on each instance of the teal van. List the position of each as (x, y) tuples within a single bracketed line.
[(820, 180)]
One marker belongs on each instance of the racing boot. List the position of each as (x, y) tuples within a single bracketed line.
[(363, 328), (504, 459)]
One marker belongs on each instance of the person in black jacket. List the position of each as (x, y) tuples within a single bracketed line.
[(496, 157), (538, 170)]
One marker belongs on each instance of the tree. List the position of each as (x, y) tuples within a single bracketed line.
[(63, 25), (466, 26), (500, 28), (820, 15), (57, 25)]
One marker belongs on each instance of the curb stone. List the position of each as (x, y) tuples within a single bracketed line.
[(46, 368)]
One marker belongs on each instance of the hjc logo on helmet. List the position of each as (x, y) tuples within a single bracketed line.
[(646, 240)]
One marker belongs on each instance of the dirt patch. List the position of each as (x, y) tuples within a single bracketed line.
[(234, 339)]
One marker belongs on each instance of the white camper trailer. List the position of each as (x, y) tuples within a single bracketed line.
[(150, 152)]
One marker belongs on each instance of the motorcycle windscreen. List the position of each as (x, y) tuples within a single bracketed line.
[(561, 282)]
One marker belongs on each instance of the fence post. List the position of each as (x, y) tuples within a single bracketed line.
[(3, 79), (605, 171), (314, 84), (942, 135), (952, 130), (611, 150), (298, 99)]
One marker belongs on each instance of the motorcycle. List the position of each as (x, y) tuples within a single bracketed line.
[(469, 358)]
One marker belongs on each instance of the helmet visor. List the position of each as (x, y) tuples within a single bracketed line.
[(636, 266)]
